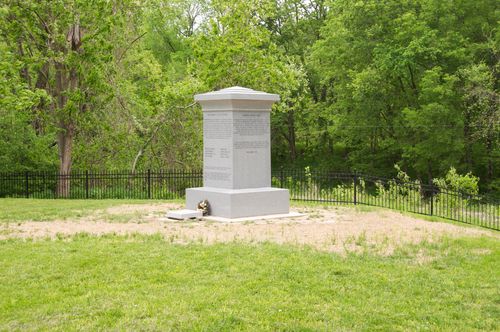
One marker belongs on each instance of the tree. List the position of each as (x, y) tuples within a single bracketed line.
[(396, 83), (482, 116), (364, 84), (235, 48), (65, 49), (21, 148)]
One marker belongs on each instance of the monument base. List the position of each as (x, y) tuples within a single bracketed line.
[(240, 203)]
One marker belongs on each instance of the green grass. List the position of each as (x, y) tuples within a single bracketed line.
[(146, 283), (21, 209)]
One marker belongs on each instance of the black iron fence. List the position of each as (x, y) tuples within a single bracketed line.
[(415, 197), (318, 186), (162, 184)]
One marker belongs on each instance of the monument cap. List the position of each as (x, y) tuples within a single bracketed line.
[(237, 93)]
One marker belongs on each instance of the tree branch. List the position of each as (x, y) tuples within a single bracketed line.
[(130, 45), (159, 120), (42, 21)]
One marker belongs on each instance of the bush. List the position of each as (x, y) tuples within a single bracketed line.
[(465, 184)]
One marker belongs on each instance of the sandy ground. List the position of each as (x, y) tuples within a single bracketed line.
[(337, 229)]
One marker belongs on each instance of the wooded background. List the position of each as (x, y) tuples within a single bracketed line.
[(364, 85)]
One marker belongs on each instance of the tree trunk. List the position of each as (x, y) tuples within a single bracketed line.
[(42, 84), (66, 80), (65, 135), (468, 140), (65, 144), (24, 70), (429, 172), (489, 152)]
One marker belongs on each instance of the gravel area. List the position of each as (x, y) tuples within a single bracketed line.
[(336, 229)]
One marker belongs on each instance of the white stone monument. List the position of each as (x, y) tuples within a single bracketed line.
[(237, 155)]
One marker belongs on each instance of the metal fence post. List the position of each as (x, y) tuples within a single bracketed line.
[(282, 177), (26, 180), (432, 202), (355, 179), (87, 184), (149, 183)]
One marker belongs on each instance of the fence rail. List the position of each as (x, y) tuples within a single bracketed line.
[(318, 186)]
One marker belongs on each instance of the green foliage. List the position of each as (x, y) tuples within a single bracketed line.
[(467, 183), (21, 148), (428, 152), (364, 84), (395, 74)]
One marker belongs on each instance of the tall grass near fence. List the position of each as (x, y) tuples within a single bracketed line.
[(304, 185)]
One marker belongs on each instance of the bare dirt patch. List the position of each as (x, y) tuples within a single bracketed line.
[(337, 229), (141, 208)]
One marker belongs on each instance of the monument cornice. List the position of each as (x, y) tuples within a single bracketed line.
[(237, 93)]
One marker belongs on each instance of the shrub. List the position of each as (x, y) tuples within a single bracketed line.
[(466, 184)]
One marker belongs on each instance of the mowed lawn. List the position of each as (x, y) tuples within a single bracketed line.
[(20, 209), (141, 282)]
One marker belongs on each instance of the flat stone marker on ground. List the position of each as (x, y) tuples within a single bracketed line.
[(184, 214), (237, 155)]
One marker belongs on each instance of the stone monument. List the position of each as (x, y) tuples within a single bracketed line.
[(237, 155)]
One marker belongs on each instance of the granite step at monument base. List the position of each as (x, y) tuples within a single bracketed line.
[(240, 203)]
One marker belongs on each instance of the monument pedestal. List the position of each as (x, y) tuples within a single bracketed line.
[(240, 203)]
